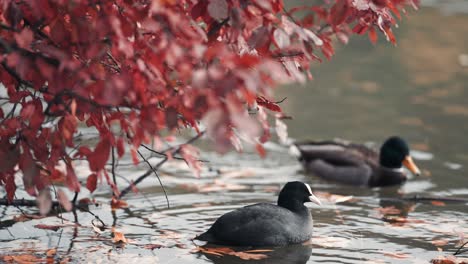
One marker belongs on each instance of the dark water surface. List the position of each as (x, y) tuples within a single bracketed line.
[(366, 93)]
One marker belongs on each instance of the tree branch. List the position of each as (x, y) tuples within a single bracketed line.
[(155, 168)]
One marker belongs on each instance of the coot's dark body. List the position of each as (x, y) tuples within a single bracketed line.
[(263, 224)]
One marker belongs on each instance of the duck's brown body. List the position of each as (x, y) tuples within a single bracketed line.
[(349, 163)]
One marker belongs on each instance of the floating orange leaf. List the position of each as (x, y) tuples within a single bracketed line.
[(437, 203), (117, 204), (119, 238), (396, 255), (439, 242)]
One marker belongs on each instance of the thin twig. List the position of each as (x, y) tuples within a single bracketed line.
[(460, 251), (157, 176), (161, 154), (147, 173), (113, 166), (74, 198)]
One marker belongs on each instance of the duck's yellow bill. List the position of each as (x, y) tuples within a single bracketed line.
[(410, 165)]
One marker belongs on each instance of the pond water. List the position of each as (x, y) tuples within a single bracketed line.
[(365, 94)]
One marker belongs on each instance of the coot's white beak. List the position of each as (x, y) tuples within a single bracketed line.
[(314, 199)]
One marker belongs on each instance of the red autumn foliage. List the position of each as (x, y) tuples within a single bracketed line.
[(133, 70)]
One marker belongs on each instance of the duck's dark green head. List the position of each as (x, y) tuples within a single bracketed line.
[(394, 154)]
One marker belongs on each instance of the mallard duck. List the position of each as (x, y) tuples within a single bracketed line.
[(265, 224), (357, 164)]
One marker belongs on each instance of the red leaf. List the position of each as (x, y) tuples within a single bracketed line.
[(91, 182), (437, 203), (360, 29), (262, 101), (380, 3), (372, 35), (10, 185), (218, 9), (24, 38), (44, 201), (134, 156), (199, 9), (30, 171), (63, 200), (67, 126), (97, 160), (328, 50), (117, 204), (339, 12), (261, 150), (72, 181), (120, 147), (48, 227), (9, 156)]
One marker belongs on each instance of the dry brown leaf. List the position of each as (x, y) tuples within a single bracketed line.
[(398, 221), (51, 252), (26, 217), (119, 238), (396, 255), (217, 251), (48, 227), (439, 242), (245, 255), (388, 210), (63, 200), (117, 204), (333, 198), (450, 259), (437, 203), (152, 246), (22, 259), (330, 242), (249, 256)]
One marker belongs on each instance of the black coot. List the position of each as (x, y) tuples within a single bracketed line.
[(265, 224)]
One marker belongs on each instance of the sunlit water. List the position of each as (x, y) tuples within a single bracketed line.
[(416, 90)]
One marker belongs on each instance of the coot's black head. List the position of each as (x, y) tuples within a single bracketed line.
[(295, 193), (394, 153)]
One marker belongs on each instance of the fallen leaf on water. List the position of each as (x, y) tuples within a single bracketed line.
[(48, 227), (437, 203), (396, 255), (169, 234), (22, 259), (449, 260), (117, 204), (249, 256), (245, 255), (51, 252), (330, 242), (439, 242), (152, 246), (26, 217), (237, 173), (388, 210), (119, 238), (333, 198), (398, 221), (221, 186)]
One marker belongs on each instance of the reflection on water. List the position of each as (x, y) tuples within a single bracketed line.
[(416, 90)]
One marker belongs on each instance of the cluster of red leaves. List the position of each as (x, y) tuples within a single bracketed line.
[(132, 69)]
